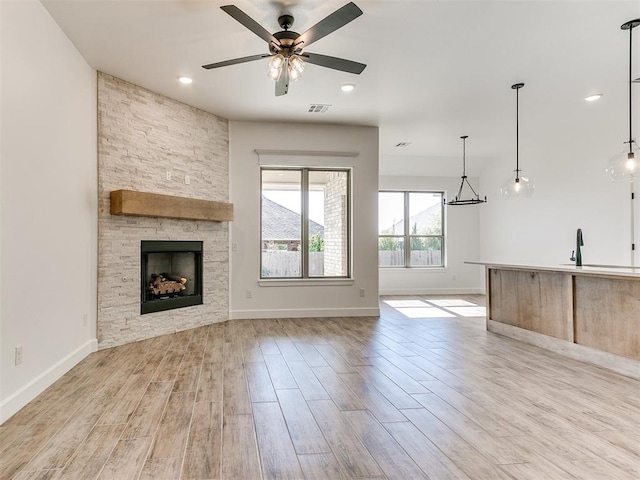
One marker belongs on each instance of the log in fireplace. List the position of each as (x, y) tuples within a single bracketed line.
[(171, 275)]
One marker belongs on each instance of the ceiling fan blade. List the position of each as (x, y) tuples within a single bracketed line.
[(250, 23), (235, 61), (329, 24), (334, 62), (282, 85)]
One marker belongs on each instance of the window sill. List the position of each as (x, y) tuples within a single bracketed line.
[(306, 282)]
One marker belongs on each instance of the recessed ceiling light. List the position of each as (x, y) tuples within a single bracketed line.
[(347, 87), (594, 97), (185, 80)]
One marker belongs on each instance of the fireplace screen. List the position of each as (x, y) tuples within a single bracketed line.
[(171, 275)]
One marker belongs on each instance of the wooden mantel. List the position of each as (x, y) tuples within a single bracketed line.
[(142, 204)]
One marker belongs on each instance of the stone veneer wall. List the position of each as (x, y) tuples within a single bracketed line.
[(141, 136)]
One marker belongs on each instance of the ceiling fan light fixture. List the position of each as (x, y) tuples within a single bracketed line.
[(296, 63), (276, 64), (295, 66), (285, 47)]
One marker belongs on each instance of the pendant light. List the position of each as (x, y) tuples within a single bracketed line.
[(458, 200), (518, 186), (624, 166)]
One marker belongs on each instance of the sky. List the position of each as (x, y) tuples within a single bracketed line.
[(291, 200)]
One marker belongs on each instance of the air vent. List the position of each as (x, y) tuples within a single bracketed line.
[(318, 108), (403, 144)]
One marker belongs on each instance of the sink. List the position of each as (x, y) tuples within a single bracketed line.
[(598, 265)]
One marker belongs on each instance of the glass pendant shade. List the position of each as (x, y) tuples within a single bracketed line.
[(296, 67), (625, 166), (296, 63), (518, 186), (294, 75), (275, 67)]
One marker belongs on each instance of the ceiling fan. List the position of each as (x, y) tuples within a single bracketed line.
[(287, 60)]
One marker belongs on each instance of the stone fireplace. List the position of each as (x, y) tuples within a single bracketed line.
[(151, 143)]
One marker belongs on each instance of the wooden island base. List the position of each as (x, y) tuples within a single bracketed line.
[(589, 314)]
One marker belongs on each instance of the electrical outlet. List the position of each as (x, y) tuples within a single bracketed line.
[(85, 319), (18, 353), (234, 247), (362, 292), (168, 176), (249, 293), (187, 180)]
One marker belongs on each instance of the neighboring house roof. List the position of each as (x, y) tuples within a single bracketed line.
[(420, 218), (281, 224)]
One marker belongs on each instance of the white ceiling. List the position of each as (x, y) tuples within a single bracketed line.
[(436, 69)]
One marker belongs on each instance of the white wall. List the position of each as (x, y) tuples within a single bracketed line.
[(49, 211), (461, 244), (302, 300), (567, 163)]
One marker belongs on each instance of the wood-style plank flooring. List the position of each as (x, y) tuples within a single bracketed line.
[(421, 392)]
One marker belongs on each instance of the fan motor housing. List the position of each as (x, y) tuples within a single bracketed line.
[(287, 39)]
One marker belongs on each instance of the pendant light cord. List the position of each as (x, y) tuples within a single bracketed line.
[(517, 133), (464, 155), (630, 89)]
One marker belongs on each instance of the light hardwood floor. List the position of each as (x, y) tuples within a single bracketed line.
[(435, 396)]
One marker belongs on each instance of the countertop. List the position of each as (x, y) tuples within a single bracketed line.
[(586, 269)]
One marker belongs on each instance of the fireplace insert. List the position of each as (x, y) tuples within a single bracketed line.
[(171, 275)]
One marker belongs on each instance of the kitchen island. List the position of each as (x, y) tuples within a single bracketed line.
[(588, 313)]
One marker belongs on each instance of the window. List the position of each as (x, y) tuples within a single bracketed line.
[(305, 223), (410, 229)]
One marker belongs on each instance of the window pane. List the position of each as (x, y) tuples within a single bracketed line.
[(328, 232), (425, 213), (426, 251), (391, 213), (281, 223), (391, 251)]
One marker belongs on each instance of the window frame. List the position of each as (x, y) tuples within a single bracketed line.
[(304, 219), (406, 237)]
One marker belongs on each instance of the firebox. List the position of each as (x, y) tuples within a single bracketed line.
[(171, 275)]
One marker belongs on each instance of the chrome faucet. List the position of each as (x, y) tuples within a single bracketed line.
[(579, 243)]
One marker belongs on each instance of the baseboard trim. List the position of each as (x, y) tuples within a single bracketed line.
[(17, 400), (432, 291), (622, 365), (304, 313)]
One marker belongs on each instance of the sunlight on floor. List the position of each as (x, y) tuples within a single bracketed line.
[(405, 303), (437, 308), (425, 312), (452, 302), (475, 311)]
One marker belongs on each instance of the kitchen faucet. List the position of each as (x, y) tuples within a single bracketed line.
[(579, 243)]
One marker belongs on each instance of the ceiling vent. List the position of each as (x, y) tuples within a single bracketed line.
[(403, 144), (318, 108)]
